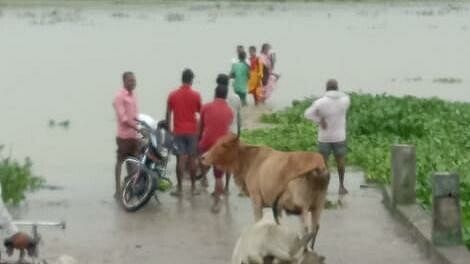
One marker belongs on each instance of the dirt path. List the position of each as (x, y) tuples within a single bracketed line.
[(251, 116)]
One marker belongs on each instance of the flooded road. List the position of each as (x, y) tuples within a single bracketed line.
[(64, 63)]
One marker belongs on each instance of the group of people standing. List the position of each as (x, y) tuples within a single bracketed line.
[(192, 136), (196, 127), (254, 74)]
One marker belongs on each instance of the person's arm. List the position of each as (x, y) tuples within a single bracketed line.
[(199, 104), (260, 69), (265, 77), (239, 122), (347, 102), (168, 114), (122, 115), (201, 125), (232, 72), (311, 113), (200, 110)]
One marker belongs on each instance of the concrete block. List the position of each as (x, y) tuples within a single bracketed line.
[(447, 226), (403, 174)]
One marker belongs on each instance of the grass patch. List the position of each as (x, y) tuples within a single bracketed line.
[(439, 130)]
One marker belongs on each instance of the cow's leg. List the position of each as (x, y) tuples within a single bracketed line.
[(22, 254), (315, 225), (305, 218), (257, 204), (227, 183)]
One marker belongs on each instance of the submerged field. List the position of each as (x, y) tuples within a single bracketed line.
[(438, 128)]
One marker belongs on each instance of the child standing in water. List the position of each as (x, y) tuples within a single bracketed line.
[(241, 73), (255, 86)]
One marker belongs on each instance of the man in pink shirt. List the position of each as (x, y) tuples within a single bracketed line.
[(125, 106)]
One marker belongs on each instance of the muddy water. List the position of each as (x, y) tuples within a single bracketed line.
[(64, 63)]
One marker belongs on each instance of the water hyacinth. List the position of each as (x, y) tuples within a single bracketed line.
[(439, 130), (16, 178)]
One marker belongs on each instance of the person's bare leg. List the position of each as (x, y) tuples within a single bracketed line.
[(181, 161), (341, 164), (218, 191), (192, 173), (203, 175)]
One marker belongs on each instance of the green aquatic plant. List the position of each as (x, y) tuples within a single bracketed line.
[(439, 130), (16, 178)]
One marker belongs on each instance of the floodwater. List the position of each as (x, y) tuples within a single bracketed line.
[(64, 63)]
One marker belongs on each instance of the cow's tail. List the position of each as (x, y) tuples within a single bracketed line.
[(276, 208)]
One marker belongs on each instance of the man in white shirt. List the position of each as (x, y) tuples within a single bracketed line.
[(329, 112)]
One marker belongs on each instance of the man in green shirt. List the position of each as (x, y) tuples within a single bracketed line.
[(241, 74)]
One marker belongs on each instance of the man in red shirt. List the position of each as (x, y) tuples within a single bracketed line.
[(216, 118), (183, 105)]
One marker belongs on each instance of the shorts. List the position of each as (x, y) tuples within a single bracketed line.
[(185, 144), (339, 149), (126, 147)]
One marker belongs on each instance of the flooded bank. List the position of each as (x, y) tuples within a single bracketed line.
[(64, 63)]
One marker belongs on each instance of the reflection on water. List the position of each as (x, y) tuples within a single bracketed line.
[(64, 63)]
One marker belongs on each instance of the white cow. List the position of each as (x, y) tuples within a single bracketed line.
[(268, 242)]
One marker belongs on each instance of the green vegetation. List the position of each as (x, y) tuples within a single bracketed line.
[(439, 129), (16, 178)]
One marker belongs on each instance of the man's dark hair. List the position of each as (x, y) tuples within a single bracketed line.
[(240, 47), (264, 46), (242, 56), (252, 48), (187, 76), (221, 91), (332, 85), (222, 79), (126, 74)]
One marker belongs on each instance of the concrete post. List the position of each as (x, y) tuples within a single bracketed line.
[(403, 174), (446, 224)]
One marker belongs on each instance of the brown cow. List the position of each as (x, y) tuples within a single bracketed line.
[(294, 181)]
